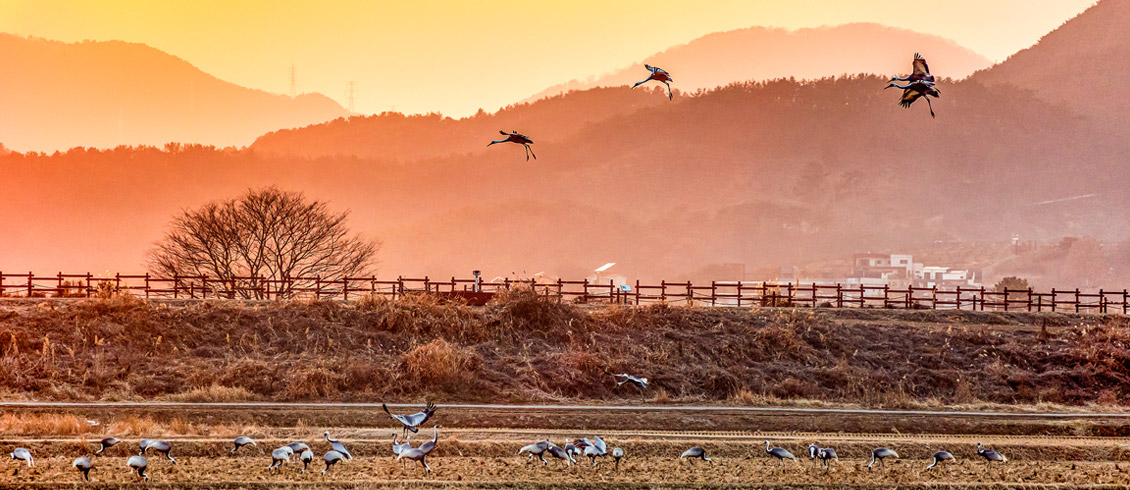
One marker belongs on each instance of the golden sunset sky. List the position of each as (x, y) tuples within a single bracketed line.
[(455, 57)]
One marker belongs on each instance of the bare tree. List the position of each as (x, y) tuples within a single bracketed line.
[(267, 233)]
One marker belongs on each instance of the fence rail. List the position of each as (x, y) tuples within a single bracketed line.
[(716, 293)]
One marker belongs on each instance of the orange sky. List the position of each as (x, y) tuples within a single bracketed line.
[(457, 56)]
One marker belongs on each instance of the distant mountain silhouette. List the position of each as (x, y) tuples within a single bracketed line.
[(59, 95), (1082, 64), (762, 53), (410, 137), (755, 173)]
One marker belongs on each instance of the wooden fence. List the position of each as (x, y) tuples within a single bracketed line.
[(716, 293)]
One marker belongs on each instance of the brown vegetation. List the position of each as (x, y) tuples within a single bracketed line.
[(522, 348)]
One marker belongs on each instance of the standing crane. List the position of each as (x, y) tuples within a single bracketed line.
[(162, 447), (338, 446), (660, 75), (536, 449), (617, 454), (880, 454), (822, 453), (298, 447), (592, 449), (415, 454), (331, 458), (307, 456), (22, 454), (696, 452), (780, 453), (519, 138), (990, 455), (941, 456), (138, 463), (240, 442), (107, 443), (556, 451), (84, 465), (279, 456)]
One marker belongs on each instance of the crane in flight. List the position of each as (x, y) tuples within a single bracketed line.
[(519, 138)]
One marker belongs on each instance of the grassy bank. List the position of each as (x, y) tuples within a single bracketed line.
[(521, 348)]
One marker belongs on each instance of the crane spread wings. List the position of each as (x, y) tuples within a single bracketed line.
[(599, 443), (920, 66), (909, 96)]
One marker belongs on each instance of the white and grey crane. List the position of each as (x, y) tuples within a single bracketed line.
[(307, 456), (559, 453), (617, 454), (879, 454), (941, 456), (415, 454), (625, 378), (824, 454), (413, 421), (398, 446), (298, 447), (84, 465), (572, 450), (596, 448), (163, 447), (696, 452), (778, 452), (138, 464), (331, 458), (921, 71), (537, 449), (338, 446), (660, 75), (428, 446), (990, 455), (144, 443), (22, 454), (240, 442), (107, 443), (280, 456)]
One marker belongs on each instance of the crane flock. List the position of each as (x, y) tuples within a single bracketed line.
[(593, 449), (920, 84)]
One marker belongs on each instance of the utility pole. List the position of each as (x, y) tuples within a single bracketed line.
[(293, 85)]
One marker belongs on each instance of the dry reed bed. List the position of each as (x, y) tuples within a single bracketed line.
[(521, 348)]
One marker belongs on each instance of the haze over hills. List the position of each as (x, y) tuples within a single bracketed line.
[(1082, 64), (762, 53), (755, 173), (59, 95)]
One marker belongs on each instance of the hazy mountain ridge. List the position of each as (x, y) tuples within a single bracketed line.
[(763, 53), (1080, 65), (755, 173), (752, 173), (102, 94)]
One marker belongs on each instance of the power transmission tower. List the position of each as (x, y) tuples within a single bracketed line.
[(293, 85)]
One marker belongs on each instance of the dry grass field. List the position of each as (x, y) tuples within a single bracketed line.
[(487, 460), (523, 350)]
